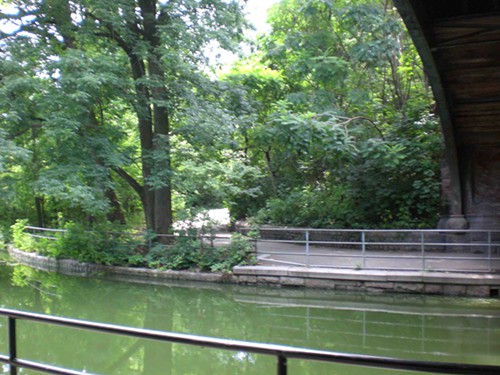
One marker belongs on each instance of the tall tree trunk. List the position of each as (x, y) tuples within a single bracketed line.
[(116, 214), (150, 105), (144, 116), (40, 211), (161, 125), (161, 144)]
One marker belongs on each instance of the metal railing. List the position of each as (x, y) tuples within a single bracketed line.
[(373, 249), (281, 352), (46, 233), (146, 239), (368, 249)]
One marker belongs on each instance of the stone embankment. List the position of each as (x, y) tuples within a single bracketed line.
[(438, 283)]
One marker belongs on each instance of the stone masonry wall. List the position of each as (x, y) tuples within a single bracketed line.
[(345, 280)]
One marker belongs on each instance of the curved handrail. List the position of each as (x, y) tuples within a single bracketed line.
[(281, 352)]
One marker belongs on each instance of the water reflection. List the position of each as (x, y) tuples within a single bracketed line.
[(443, 329)]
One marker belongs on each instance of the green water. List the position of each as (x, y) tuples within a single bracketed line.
[(416, 327)]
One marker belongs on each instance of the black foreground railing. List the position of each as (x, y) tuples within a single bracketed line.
[(281, 352)]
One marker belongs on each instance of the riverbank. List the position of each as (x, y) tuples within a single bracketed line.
[(372, 281)]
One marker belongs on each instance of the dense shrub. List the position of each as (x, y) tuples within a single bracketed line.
[(2, 242), (238, 252), (316, 208), (103, 246), (20, 239), (191, 252), (390, 183), (79, 243)]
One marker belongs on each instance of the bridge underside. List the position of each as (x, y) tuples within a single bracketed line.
[(459, 42)]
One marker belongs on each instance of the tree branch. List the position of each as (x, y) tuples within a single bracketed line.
[(348, 121), (139, 189), (111, 34), (21, 132)]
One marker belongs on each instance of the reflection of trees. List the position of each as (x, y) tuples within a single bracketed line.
[(33, 290), (385, 325), (158, 355)]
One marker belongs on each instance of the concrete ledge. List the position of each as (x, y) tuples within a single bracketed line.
[(75, 268), (457, 284), (440, 283)]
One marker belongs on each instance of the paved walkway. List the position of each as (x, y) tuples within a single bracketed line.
[(287, 264), (289, 254), (273, 253)]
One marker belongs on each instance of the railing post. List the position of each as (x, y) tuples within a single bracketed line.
[(490, 266), (12, 345), (363, 248), (307, 248), (422, 248), (282, 365)]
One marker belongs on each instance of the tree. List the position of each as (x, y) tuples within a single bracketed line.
[(108, 106), (354, 121), (157, 47)]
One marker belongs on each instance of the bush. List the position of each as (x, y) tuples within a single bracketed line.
[(184, 254), (99, 245), (102, 246), (317, 208), (238, 252), (189, 252), (20, 239), (77, 243), (2, 242)]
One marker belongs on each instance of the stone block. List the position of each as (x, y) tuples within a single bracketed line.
[(454, 290), (319, 283), (409, 287), (349, 283), (228, 278), (268, 280), (352, 286), (260, 270), (478, 291), (379, 285), (292, 281), (376, 290), (243, 279), (433, 289)]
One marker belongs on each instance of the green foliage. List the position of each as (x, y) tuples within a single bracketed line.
[(101, 245), (244, 191), (89, 112), (2, 242), (191, 251), (396, 182), (78, 243), (389, 183), (21, 239), (351, 142), (327, 123), (331, 208), (97, 245), (24, 241), (185, 253), (238, 252)]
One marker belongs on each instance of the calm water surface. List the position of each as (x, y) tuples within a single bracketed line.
[(416, 327)]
